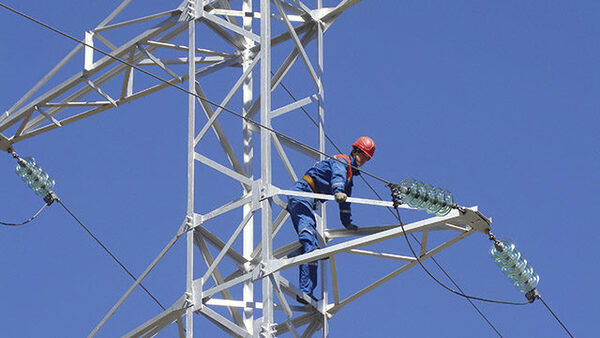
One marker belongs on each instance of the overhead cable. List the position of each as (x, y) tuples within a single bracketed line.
[(27, 221), (449, 288), (555, 316), (109, 252), (257, 124), (397, 216), (249, 120)]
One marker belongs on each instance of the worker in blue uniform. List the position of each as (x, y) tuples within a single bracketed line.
[(332, 177)]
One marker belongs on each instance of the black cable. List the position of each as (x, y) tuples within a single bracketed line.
[(108, 251), (247, 119), (27, 221), (334, 145), (397, 215), (447, 287), (291, 140), (555, 316), (460, 289)]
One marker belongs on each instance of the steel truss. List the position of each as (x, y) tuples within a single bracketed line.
[(258, 263)]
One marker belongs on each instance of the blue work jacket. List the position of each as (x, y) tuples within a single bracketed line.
[(332, 176)]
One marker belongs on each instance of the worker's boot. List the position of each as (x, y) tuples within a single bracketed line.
[(303, 301)]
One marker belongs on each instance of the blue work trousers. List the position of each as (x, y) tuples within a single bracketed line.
[(301, 212)]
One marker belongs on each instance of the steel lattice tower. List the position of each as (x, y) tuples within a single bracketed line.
[(259, 263)]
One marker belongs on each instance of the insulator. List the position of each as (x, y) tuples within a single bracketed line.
[(35, 177), (514, 265), (422, 196)]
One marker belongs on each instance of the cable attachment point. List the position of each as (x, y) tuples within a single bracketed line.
[(459, 208), (50, 198), (492, 237), (12, 152), (396, 192), (532, 295)]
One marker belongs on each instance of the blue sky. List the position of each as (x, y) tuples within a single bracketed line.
[(494, 101)]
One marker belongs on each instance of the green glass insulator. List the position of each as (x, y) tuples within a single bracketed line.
[(514, 265), (405, 190), (448, 203), (425, 197), (24, 167), (35, 177), (435, 201)]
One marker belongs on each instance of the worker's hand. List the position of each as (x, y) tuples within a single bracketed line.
[(340, 197), (351, 226)]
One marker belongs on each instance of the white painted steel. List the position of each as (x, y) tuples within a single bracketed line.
[(88, 56), (265, 159), (189, 285), (216, 275), (295, 105), (247, 71), (258, 262)]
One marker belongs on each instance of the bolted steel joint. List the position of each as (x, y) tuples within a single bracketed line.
[(268, 330), (189, 300), (191, 9)]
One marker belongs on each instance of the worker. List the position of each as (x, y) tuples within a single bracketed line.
[(332, 177)]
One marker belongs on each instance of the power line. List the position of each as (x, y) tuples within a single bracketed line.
[(447, 287), (555, 316), (29, 220), (249, 120), (109, 252), (291, 140), (399, 219)]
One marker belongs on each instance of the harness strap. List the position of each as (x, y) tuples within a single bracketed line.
[(348, 168), (311, 181)]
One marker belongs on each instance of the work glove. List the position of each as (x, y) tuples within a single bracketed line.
[(351, 226), (340, 197)]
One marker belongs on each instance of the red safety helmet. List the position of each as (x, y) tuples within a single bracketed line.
[(366, 144)]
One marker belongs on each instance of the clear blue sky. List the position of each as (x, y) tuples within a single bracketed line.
[(496, 101)]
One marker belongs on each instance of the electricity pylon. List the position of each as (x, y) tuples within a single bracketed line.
[(260, 262)]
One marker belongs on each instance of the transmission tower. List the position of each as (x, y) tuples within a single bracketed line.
[(286, 29)]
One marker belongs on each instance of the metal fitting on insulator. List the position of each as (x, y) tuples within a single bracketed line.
[(50, 198), (491, 236), (13, 153), (532, 295)]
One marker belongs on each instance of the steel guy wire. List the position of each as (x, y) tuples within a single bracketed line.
[(27, 221), (397, 216), (555, 316), (249, 120), (109, 252)]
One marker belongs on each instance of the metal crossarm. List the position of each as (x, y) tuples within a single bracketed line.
[(220, 38)]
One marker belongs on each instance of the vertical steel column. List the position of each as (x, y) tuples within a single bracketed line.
[(248, 150), (189, 314), (265, 154), (324, 283)]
